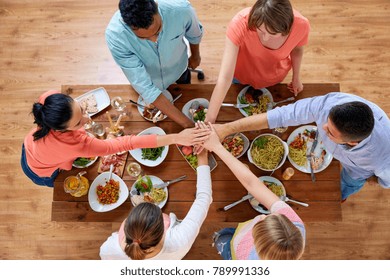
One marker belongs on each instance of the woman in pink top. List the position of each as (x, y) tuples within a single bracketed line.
[(280, 235), (263, 43), (60, 138)]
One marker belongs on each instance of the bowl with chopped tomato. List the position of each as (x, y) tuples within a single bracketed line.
[(105, 195), (237, 144)]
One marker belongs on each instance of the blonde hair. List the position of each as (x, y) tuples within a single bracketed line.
[(277, 238), (144, 229)]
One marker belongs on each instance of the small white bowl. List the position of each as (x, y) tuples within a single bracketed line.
[(186, 108), (137, 153), (102, 180), (285, 146)]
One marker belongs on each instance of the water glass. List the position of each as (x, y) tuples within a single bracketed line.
[(134, 169)]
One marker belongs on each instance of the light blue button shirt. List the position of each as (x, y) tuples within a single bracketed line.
[(370, 157), (151, 67)]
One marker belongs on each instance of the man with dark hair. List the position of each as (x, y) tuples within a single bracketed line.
[(147, 40), (354, 130)]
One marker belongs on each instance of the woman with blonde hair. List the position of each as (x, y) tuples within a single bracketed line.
[(278, 236), (147, 233)]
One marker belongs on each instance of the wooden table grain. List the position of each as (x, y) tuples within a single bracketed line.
[(323, 196)]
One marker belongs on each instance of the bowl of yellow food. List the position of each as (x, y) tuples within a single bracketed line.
[(268, 152)]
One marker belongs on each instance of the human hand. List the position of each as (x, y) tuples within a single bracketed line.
[(295, 86), (194, 61), (213, 140), (192, 136)]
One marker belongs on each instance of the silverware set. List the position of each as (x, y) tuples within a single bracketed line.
[(309, 156)]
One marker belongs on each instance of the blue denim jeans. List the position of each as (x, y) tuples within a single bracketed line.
[(222, 241), (348, 185), (42, 181)]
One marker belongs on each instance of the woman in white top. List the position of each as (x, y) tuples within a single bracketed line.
[(147, 233)]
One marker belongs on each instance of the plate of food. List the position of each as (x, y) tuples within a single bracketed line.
[(268, 152), (262, 97), (83, 162), (118, 160), (274, 185), (196, 109), (151, 156), (300, 142), (148, 111), (94, 101), (143, 191), (237, 144), (192, 160), (105, 195)]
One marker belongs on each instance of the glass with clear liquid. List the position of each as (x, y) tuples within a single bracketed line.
[(134, 169)]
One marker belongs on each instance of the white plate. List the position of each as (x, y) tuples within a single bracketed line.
[(186, 108), (155, 181), (137, 153), (101, 96), (253, 201), (317, 151), (284, 155), (142, 102), (89, 163), (246, 143), (102, 180), (242, 93)]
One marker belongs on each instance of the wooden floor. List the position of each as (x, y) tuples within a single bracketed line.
[(44, 44)]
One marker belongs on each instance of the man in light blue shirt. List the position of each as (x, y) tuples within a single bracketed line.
[(146, 39), (356, 131)]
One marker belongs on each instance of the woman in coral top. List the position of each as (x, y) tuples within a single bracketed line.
[(263, 43), (278, 236), (60, 138)]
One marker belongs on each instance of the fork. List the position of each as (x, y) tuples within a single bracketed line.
[(238, 106), (286, 199)]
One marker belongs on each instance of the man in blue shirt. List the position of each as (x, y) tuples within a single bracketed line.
[(356, 131), (146, 39)]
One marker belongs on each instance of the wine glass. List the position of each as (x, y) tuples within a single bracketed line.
[(90, 123), (278, 131), (119, 105), (134, 169)]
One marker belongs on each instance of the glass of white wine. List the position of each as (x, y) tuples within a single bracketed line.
[(134, 169), (119, 105)]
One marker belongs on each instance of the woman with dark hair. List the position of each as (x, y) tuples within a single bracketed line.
[(263, 44), (60, 138), (147, 233)]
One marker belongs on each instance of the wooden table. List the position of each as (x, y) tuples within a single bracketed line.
[(323, 195)]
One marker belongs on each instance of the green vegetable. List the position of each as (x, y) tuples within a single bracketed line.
[(193, 160), (144, 184), (80, 161), (200, 115), (260, 142), (152, 153)]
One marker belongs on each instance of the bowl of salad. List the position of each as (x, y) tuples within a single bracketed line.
[(151, 156), (196, 109)]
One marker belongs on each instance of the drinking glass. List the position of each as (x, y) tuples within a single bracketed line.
[(98, 129), (134, 169), (278, 131), (119, 105)]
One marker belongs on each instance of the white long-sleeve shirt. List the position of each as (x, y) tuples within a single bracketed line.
[(181, 234)]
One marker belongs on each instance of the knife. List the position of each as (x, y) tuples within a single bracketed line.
[(160, 112), (309, 157), (166, 184)]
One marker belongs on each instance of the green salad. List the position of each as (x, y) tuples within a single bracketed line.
[(152, 153)]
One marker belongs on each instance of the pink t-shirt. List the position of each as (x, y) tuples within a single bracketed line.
[(257, 65), (242, 244), (59, 149)]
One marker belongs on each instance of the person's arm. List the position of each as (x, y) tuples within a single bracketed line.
[(187, 137), (194, 59), (296, 60), (224, 81), (243, 174), (251, 123), (167, 108)]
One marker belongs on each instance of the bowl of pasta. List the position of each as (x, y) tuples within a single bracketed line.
[(268, 152), (105, 195)]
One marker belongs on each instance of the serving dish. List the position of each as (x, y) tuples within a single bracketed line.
[(100, 95)]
